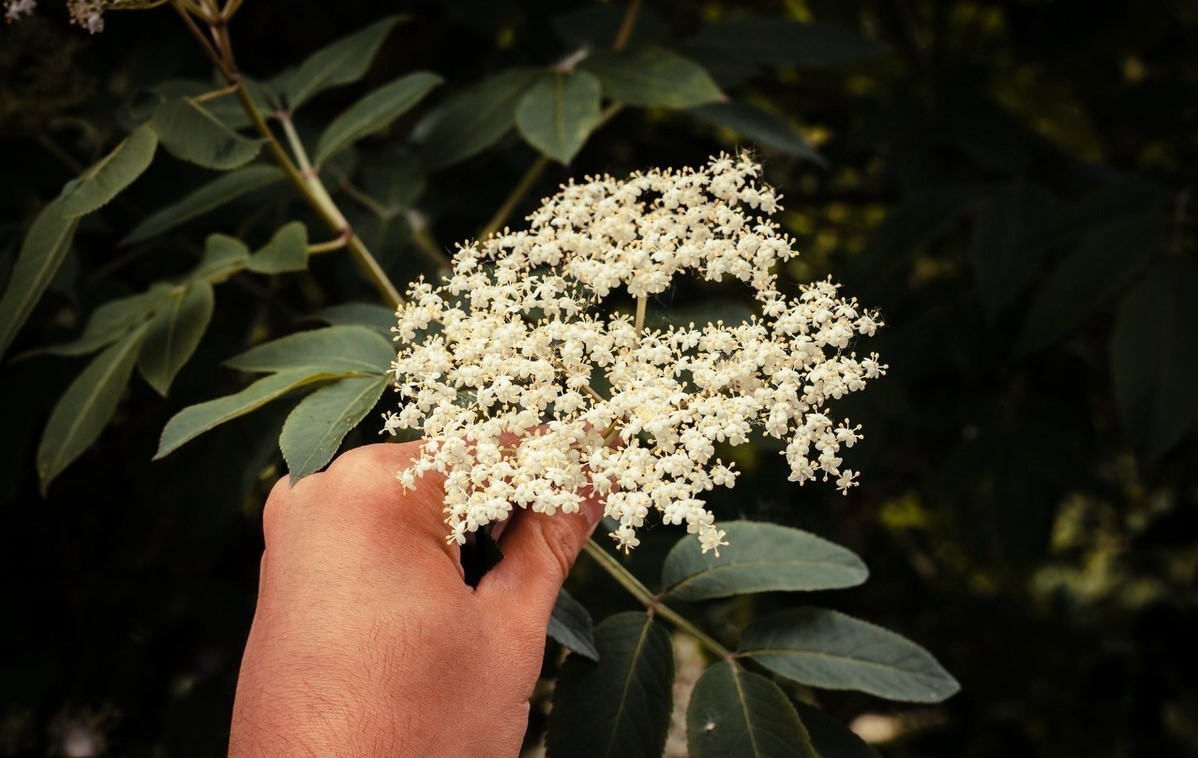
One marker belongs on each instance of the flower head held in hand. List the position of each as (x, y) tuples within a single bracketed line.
[(498, 363)]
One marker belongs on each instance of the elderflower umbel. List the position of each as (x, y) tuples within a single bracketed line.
[(497, 363)]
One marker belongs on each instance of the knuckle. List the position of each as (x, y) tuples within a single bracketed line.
[(561, 543)]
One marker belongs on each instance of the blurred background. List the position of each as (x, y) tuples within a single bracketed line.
[(1011, 182)]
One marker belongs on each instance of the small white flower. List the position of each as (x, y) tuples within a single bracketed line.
[(496, 363)]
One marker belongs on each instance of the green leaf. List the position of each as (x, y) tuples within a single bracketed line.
[(916, 220), (194, 420), (472, 120), (85, 408), (570, 625), (111, 174), (831, 738), (823, 648), (209, 197), (343, 62), (1126, 197), (778, 42), (192, 134), (1101, 265), (734, 713), (113, 320), (558, 113), (337, 349), (618, 707), (1154, 357), (223, 257), (374, 112), (45, 246), (286, 251), (174, 333), (763, 127), (377, 317), (759, 557), (314, 429), (652, 76), (1004, 260)]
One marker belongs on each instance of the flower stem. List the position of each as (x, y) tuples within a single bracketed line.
[(627, 25), (642, 303), (514, 197), (652, 602)]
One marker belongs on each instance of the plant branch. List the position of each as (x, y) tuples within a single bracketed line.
[(627, 25), (652, 602), (514, 197)]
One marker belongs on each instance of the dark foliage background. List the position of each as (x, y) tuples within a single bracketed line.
[(1011, 182)]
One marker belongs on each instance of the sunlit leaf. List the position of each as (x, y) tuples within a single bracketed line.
[(224, 189), (827, 649), (618, 707), (192, 134), (111, 174), (286, 251), (85, 408), (761, 127), (374, 112), (1101, 265), (194, 420), (472, 120), (340, 349), (342, 62), (316, 426), (558, 113), (174, 333), (45, 246), (570, 625), (1154, 357), (759, 557), (652, 76), (738, 714)]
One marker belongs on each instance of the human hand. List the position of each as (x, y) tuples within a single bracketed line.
[(366, 640)]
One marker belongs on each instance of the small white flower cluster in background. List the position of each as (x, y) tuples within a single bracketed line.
[(88, 14), (497, 364)]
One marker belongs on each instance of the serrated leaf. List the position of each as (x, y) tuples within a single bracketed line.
[(286, 251), (761, 126), (824, 648), (111, 174), (472, 120), (342, 62), (1004, 258), (174, 333), (113, 320), (734, 713), (618, 707), (223, 257), (192, 134), (652, 76), (759, 557), (194, 420), (377, 317), (209, 197), (1102, 264), (42, 252), (85, 408), (1154, 357), (917, 219), (558, 113), (831, 738), (570, 625), (374, 112), (779, 42), (316, 426), (338, 349)]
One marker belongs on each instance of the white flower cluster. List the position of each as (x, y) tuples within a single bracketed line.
[(498, 363)]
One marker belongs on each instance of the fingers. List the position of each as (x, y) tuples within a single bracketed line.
[(538, 551)]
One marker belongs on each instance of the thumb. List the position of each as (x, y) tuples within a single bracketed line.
[(538, 551)]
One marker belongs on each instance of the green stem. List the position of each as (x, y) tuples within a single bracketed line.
[(514, 197), (627, 25), (652, 602)]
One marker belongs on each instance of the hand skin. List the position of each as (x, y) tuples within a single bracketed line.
[(367, 642)]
